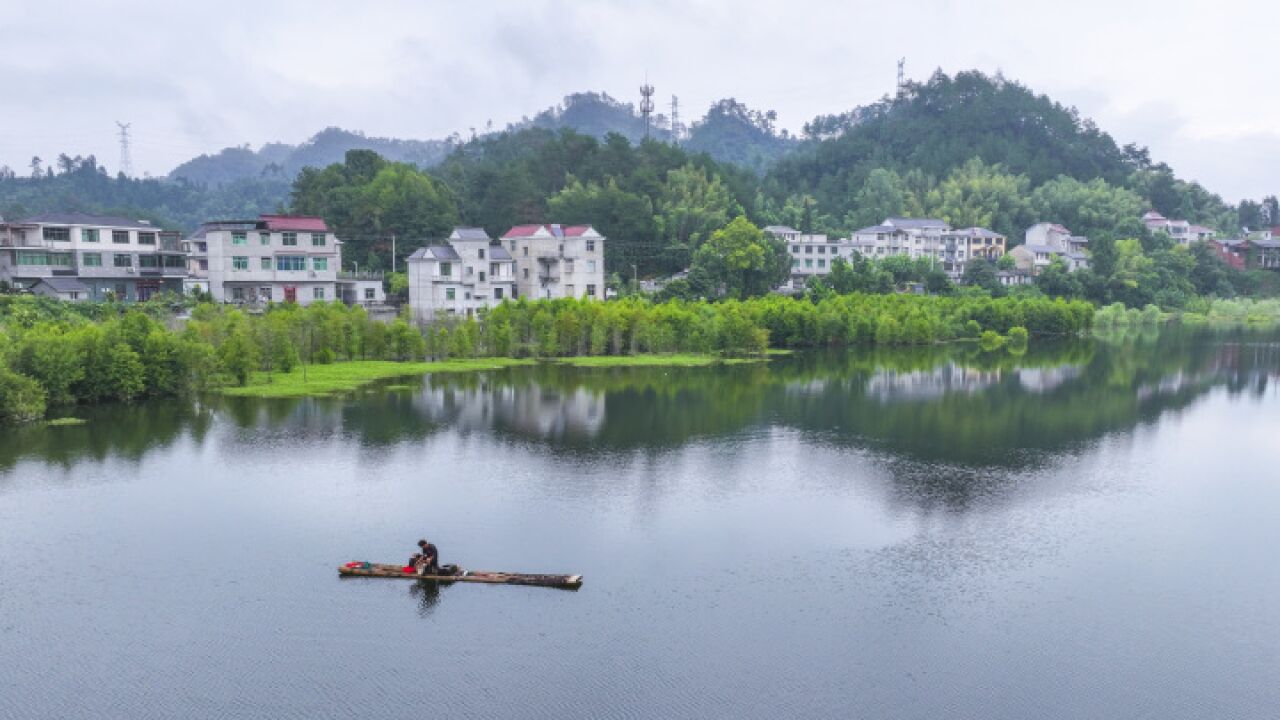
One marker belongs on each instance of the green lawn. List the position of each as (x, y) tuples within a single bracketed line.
[(672, 360), (346, 376)]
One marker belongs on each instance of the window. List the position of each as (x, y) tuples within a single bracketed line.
[(470, 271), (493, 269), (91, 260), (59, 260), (591, 246), (239, 262), (317, 293), (808, 249), (58, 234), (202, 264), (446, 269), (290, 263), (568, 267), (822, 250), (148, 261), (370, 294), (120, 237), (822, 263), (239, 238), (146, 238), (526, 273), (591, 266), (481, 276), (89, 235), (264, 292), (795, 249), (467, 295), (795, 263), (481, 255), (319, 263), (123, 260), (808, 263), (289, 238), (568, 291), (266, 263), (513, 246), (591, 291), (264, 238), (526, 251), (497, 293), (176, 261), (449, 293), (317, 239), (32, 258), (237, 293)]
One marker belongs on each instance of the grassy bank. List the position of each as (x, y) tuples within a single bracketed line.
[(346, 376), (656, 360)]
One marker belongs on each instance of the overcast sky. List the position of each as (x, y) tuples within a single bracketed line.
[(1197, 82)]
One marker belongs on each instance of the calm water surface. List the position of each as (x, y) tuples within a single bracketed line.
[(1086, 531)]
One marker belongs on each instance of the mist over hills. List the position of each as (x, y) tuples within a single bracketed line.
[(902, 154)]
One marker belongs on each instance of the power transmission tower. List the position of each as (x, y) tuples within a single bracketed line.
[(675, 121), (646, 105), (126, 162), (902, 75)]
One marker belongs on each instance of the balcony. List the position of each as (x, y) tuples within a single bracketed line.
[(360, 275)]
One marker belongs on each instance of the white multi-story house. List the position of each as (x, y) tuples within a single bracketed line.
[(1181, 230), (811, 254), (1046, 241), (931, 239), (467, 272), (92, 257), (276, 258), (557, 261)]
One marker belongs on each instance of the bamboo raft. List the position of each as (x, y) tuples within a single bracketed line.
[(381, 570)]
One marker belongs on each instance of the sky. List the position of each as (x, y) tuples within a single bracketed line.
[(1194, 81)]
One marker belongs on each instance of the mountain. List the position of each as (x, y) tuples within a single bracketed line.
[(282, 161)]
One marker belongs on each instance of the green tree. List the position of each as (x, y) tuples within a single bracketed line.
[(742, 260)]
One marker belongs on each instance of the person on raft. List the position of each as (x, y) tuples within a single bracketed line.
[(426, 562)]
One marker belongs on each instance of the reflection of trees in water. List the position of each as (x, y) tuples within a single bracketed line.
[(114, 431)]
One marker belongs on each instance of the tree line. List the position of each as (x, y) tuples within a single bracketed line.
[(55, 353)]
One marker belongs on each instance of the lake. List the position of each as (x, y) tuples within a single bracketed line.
[(1087, 530)]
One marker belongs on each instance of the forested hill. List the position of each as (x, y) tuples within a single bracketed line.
[(280, 161), (932, 130), (730, 132)]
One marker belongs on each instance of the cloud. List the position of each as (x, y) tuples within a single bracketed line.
[(1187, 79)]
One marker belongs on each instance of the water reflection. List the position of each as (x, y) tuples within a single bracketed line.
[(955, 406)]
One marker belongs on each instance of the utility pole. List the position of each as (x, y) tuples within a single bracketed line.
[(646, 104), (393, 252), (675, 121), (902, 75), (126, 162)]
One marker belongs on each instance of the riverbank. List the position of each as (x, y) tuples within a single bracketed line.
[(338, 377)]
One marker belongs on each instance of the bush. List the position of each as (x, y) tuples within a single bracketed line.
[(21, 398)]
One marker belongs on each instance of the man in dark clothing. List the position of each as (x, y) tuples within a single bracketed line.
[(428, 562)]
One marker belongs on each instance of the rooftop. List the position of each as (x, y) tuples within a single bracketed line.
[(469, 233), (306, 223), (915, 223), (65, 284), (79, 218)]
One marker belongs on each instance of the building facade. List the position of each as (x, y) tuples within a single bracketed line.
[(467, 272), (1181, 230), (811, 254), (1047, 241), (557, 261), (276, 258), (113, 258), (930, 239)]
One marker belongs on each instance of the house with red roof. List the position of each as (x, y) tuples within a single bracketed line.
[(557, 261)]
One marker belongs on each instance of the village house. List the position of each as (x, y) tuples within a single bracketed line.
[(92, 257), (275, 258), (930, 238), (465, 273), (1182, 231), (557, 261), (811, 255), (1046, 241)]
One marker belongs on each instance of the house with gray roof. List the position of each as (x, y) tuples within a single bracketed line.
[(930, 239), (61, 288), (461, 275), (1046, 241), (111, 257)]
